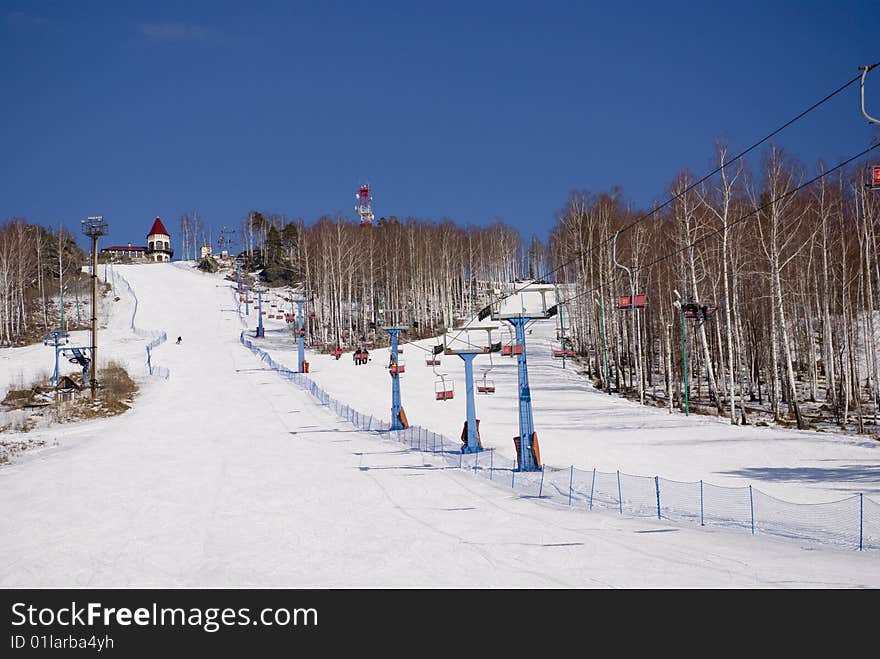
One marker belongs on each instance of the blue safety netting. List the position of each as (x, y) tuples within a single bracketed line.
[(853, 522)]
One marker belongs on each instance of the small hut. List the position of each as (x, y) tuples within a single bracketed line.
[(67, 389)]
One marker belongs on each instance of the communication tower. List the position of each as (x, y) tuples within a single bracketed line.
[(364, 207)]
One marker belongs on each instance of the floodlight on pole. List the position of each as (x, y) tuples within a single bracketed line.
[(94, 227)]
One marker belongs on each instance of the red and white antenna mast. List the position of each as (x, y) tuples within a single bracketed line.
[(364, 208)]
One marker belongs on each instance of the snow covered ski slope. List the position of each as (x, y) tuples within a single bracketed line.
[(578, 425), (225, 474)]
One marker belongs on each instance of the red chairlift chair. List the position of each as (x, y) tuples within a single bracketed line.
[(444, 388), (487, 386), (626, 302), (434, 358)]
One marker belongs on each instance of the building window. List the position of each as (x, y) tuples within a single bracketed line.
[(150, 245)]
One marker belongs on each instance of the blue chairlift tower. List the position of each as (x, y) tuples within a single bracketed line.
[(398, 416), (462, 345), (525, 303), (53, 339)]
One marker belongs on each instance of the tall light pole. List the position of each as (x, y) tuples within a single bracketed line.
[(94, 227)]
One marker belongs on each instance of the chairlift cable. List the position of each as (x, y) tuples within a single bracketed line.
[(742, 218), (676, 196)]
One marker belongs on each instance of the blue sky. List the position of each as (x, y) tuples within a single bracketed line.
[(474, 111)]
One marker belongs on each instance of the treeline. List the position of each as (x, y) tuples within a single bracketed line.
[(793, 273), (35, 263), (425, 275)]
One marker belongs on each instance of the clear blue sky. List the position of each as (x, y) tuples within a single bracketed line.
[(469, 110)]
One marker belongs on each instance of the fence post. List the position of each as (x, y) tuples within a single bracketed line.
[(752, 507), (593, 485), (460, 460), (657, 485), (491, 462), (476, 461), (702, 523), (570, 479), (619, 495), (541, 487), (861, 517), (512, 477)]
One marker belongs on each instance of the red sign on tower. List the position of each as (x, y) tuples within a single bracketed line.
[(875, 177)]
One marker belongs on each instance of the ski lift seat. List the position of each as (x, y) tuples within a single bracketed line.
[(488, 387), (694, 311), (443, 389), (626, 302)]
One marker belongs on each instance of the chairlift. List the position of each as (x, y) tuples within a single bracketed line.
[(512, 347), (693, 311), (444, 388), (875, 178), (626, 302), (511, 350), (487, 386), (434, 358)]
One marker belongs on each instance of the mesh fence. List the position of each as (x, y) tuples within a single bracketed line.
[(681, 502), (870, 523), (853, 522), (727, 506), (831, 522), (157, 337)]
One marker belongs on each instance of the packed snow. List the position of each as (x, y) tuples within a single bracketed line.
[(226, 474)]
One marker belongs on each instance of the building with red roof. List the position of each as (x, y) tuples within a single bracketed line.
[(159, 243), (157, 250)]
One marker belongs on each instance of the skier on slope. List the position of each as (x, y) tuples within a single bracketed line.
[(179, 340)]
